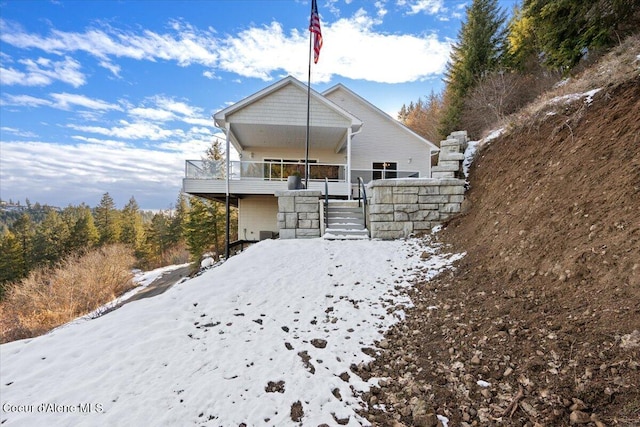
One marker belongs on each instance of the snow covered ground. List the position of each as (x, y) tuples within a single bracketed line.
[(278, 324)]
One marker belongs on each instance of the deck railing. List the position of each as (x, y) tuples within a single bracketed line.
[(264, 171), (279, 171)]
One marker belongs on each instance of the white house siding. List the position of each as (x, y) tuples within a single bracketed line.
[(288, 106), (380, 138), (255, 214)]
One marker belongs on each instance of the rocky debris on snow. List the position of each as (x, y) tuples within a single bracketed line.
[(297, 412), (306, 361), (341, 421), (344, 377), (319, 343), (275, 387)]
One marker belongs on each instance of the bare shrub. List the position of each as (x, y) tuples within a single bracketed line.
[(176, 255), (49, 297), (501, 93)]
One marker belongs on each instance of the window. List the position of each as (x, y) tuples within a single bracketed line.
[(280, 169), (385, 170)]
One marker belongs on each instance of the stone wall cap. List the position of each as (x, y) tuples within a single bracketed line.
[(292, 193), (412, 182)]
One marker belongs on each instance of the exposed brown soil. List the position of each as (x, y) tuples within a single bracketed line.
[(545, 306)]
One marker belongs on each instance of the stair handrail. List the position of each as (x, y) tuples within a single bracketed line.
[(362, 197), (326, 203)]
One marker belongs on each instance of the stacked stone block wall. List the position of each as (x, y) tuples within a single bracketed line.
[(451, 156), (400, 207), (298, 214)]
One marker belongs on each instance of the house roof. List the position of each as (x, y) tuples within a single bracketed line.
[(277, 116), (383, 115)]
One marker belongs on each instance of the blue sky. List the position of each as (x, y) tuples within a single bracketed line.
[(113, 96)]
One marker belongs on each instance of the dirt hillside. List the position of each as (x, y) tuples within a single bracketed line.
[(540, 323)]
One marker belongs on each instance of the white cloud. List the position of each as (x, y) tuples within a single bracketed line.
[(177, 106), (430, 7), (17, 132), (154, 114), (25, 101), (259, 51), (114, 68), (166, 109), (199, 121), (381, 9), (43, 72), (65, 101), (186, 47), (83, 172), (352, 48), (131, 131)]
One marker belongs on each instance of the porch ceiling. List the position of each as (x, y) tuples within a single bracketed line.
[(246, 136)]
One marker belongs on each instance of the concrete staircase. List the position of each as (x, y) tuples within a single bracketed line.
[(345, 221)]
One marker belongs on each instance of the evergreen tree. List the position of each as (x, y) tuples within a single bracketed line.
[(10, 261), (131, 230), (481, 48), (522, 40), (51, 236), (178, 220), (566, 30), (24, 231), (107, 220), (200, 228), (157, 238), (83, 233), (213, 160)]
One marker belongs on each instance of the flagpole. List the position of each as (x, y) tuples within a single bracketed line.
[(306, 157)]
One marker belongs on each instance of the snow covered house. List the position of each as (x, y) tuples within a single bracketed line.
[(348, 138)]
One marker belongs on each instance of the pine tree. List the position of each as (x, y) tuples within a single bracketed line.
[(523, 45), (131, 229), (567, 30), (107, 220), (51, 236), (213, 160), (481, 48), (178, 220), (24, 230), (197, 232), (205, 227), (83, 233), (10, 261), (157, 237)]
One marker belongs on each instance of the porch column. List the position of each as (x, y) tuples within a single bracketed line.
[(227, 207), (349, 161)]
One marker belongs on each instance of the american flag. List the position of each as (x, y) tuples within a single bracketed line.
[(314, 27)]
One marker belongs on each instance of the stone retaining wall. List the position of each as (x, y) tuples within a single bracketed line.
[(298, 213), (400, 207)]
